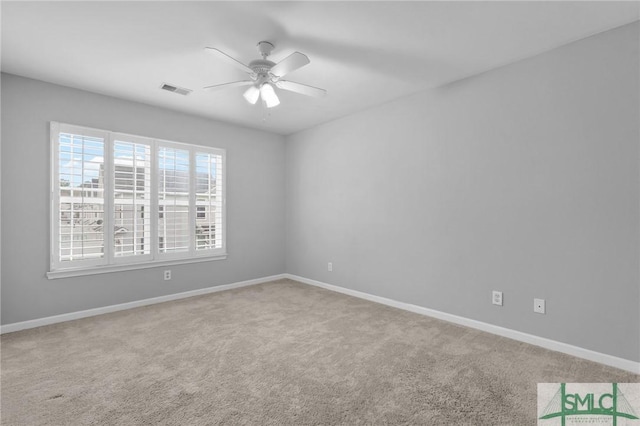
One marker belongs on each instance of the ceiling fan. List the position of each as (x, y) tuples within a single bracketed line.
[(265, 74)]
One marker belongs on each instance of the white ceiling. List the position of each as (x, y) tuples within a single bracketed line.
[(363, 53)]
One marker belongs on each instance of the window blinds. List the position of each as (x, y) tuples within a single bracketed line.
[(80, 197), (208, 201), (173, 197), (131, 198)]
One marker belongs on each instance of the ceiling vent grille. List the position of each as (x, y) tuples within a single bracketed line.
[(175, 89)]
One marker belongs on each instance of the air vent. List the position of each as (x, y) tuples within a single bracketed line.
[(175, 89)]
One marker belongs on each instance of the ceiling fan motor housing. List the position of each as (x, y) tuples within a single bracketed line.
[(261, 66)]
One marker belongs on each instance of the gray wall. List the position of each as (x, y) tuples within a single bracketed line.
[(255, 200), (523, 179)]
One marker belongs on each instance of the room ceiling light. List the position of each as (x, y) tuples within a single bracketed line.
[(269, 95), (252, 94)]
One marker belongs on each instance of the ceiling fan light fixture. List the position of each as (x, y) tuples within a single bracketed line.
[(269, 95), (252, 94), (265, 76)]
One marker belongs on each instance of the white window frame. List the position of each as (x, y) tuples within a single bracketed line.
[(109, 262)]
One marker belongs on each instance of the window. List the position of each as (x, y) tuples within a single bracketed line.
[(121, 199), (81, 207), (208, 196), (132, 198), (202, 214)]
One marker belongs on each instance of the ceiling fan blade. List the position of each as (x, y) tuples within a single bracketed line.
[(228, 59), (290, 63), (303, 89), (227, 85)]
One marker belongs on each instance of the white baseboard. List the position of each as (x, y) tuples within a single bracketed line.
[(17, 326), (610, 360)]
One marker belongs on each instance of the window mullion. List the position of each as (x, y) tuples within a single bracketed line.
[(221, 181), (155, 214), (109, 202), (193, 211)]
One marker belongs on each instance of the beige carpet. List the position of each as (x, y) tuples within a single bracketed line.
[(280, 353)]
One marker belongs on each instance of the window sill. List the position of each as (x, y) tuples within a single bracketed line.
[(94, 270)]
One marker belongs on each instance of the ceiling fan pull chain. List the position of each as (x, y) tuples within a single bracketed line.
[(265, 113)]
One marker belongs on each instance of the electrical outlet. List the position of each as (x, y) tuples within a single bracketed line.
[(497, 298), (167, 274), (539, 306), (330, 266)]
